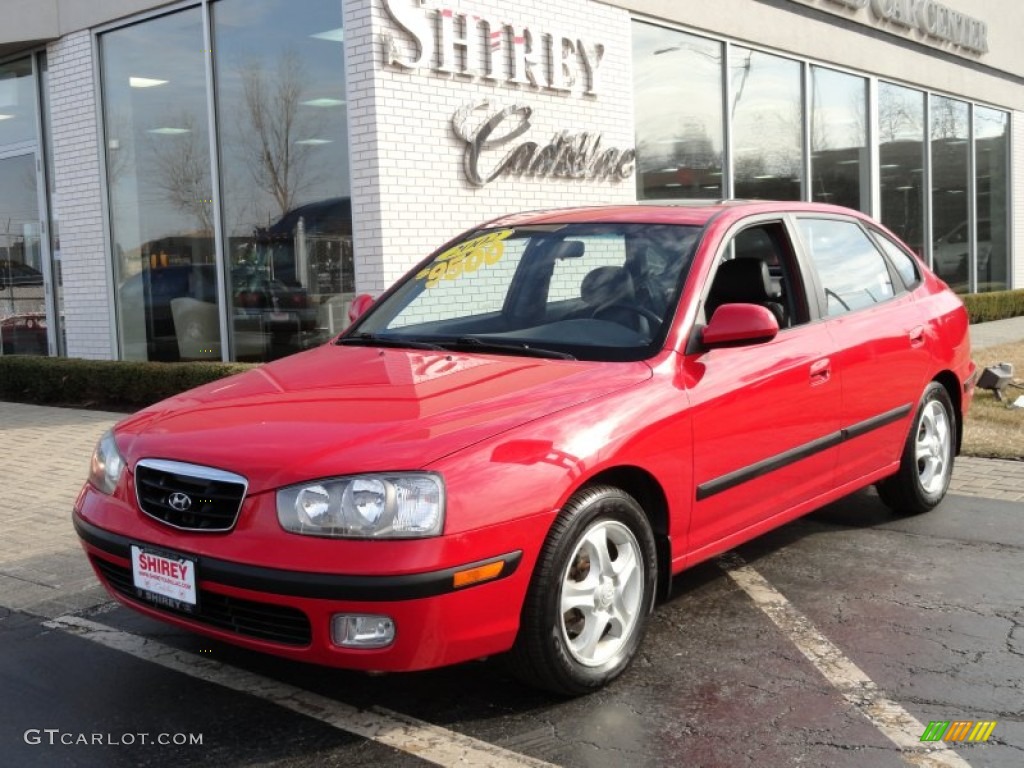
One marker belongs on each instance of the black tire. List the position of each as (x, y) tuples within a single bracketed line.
[(551, 650), (926, 465)]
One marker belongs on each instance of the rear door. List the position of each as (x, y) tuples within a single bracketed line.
[(879, 335), (765, 415)]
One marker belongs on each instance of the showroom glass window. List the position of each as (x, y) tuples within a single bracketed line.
[(950, 140), (901, 150), (767, 125), (159, 182), (284, 229), (992, 187), (284, 172), (678, 90), (17, 103), (840, 168), (26, 316)]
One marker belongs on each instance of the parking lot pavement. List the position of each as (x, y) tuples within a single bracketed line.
[(45, 460), (989, 478), (997, 332)]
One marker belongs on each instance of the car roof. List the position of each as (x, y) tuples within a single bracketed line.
[(686, 212)]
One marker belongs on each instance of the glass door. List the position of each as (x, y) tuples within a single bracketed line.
[(23, 326)]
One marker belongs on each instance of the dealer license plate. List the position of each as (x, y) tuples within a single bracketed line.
[(164, 578)]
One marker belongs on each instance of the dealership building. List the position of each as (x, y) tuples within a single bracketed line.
[(216, 179)]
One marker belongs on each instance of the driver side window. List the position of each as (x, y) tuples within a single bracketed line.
[(758, 267)]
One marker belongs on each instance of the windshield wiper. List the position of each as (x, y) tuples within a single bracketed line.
[(480, 345), (372, 340)]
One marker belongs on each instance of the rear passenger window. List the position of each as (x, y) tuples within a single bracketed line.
[(853, 272), (900, 259)]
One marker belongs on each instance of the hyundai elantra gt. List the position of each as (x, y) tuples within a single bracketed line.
[(515, 448)]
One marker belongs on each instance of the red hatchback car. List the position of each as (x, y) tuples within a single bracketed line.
[(521, 441)]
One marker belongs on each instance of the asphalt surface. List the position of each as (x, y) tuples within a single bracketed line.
[(928, 607), (926, 611)]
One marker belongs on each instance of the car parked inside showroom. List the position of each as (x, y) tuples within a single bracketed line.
[(171, 312), (15, 273), (518, 445), (951, 256)]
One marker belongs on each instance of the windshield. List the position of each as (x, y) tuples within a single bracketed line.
[(589, 291)]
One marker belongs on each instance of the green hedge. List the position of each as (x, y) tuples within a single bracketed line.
[(997, 305), (103, 384)]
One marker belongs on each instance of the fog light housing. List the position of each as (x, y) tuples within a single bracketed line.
[(358, 630)]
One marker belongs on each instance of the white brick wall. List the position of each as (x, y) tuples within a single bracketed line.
[(409, 191), (78, 197)]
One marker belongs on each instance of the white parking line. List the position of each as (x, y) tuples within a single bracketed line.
[(429, 742), (898, 725)]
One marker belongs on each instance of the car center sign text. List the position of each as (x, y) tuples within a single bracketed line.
[(474, 47), (937, 23)]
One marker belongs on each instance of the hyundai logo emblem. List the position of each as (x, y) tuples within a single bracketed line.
[(178, 501)]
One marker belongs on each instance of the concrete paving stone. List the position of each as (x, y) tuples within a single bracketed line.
[(997, 332)]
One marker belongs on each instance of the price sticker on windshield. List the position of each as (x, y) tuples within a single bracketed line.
[(466, 257)]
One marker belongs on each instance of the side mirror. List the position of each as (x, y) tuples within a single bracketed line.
[(735, 324), (358, 307)]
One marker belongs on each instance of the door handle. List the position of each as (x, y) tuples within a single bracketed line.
[(916, 336), (821, 371)]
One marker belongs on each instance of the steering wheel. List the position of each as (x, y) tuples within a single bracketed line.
[(636, 309)]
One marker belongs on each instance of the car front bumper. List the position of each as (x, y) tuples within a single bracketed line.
[(288, 612)]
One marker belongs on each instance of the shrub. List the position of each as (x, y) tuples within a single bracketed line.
[(998, 305), (110, 384)]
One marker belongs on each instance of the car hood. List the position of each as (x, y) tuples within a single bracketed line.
[(336, 410)]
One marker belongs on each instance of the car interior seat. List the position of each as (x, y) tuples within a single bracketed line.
[(604, 290), (744, 280)]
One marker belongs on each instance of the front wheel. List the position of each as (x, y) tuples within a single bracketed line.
[(926, 466), (590, 597)]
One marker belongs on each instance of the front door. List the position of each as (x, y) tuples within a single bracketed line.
[(765, 416), (23, 258)]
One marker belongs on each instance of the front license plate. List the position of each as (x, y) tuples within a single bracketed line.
[(280, 317), (165, 578)]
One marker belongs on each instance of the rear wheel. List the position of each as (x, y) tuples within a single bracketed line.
[(926, 466), (591, 594)]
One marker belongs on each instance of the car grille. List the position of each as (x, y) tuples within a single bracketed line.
[(189, 496), (264, 621)]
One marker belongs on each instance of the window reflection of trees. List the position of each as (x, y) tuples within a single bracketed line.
[(271, 127), (182, 164), (992, 150), (950, 131), (678, 87), (767, 125), (285, 195), (901, 160), (839, 167)]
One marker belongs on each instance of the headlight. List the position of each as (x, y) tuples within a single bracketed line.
[(400, 505), (107, 464)]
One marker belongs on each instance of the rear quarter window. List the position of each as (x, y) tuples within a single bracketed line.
[(852, 271), (901, 260)]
